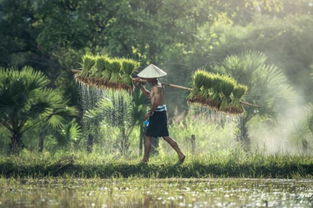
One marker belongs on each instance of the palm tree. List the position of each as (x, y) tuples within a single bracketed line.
[(268, 87), (26, 102)]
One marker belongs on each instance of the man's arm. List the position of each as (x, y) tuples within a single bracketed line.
[(139, 82), (144, 90)]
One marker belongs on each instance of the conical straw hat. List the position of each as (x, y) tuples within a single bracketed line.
[(152, 71)]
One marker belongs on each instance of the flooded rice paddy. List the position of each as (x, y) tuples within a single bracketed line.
[(58, 192)]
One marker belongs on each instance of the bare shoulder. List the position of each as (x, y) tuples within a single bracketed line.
[(157, 89)]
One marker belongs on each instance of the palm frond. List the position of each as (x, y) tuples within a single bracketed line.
[(26, 101)]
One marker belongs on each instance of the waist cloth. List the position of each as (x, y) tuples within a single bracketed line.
[(158, 123)]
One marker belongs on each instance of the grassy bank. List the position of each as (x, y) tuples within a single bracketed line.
[(96, 165)]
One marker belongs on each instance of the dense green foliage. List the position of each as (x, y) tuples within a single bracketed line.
[(27, 102)]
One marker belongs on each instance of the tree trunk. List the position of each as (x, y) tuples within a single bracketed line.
[(124, 142), (305, 145), (41, 141), (16, 143), (243, 135), (90, 141), (193, 144), (141, 139)]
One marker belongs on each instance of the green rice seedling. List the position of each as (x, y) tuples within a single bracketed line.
[(196, 85), (206, 89), (100, 63), (88, 61), (208, 82), (217, 83), (114, 80), (239, 91), (115, 71), (106, 73), (225, 103), (199, 78), (96, 69), (235, 106), (197, 93), (217, 90), (193, 93), (227, 86), (126, 79), (108, 65), (128, 66)]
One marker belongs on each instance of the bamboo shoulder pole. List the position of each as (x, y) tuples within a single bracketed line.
[(75, 71), (177, 86)]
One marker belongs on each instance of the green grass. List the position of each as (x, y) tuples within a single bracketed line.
[(202, 166)]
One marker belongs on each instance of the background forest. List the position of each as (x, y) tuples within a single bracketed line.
[(264, 44)]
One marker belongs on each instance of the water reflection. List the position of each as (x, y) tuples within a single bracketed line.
[(54, 192)]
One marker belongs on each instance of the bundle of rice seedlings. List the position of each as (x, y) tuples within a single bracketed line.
[(202, 88), (88, 61), (97, 68), (128, 66), (239, 91), (227, 86), (218, 92), (198, 80), (100, 63), (211, 91), (217, 83), (235, 106), (208, 82), (115, 68), (106, 73)]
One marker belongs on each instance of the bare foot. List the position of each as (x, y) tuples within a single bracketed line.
[(181, 159)]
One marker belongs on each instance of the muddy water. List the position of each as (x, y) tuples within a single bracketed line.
[(58, 192)]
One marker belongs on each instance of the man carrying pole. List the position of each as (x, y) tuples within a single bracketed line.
[(157, 116)]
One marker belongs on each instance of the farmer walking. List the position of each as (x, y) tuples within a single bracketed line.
[(157, 116)]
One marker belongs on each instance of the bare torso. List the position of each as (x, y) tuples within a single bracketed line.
[(157, 95)]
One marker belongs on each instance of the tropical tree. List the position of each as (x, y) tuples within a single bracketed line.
[(267, 87), (118, 110), (92, 119), (26, 102)]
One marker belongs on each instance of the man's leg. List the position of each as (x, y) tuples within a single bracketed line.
[(175, 146), (147, 145)]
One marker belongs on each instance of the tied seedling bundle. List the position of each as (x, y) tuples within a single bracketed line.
[(218, 92), (106, 72)]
